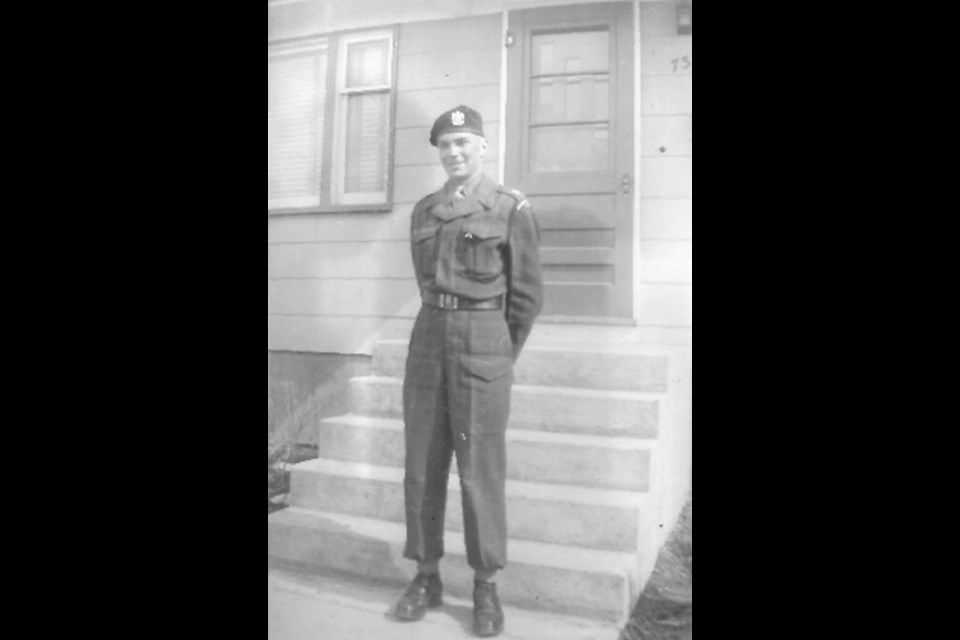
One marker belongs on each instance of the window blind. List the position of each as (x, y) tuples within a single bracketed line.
[(296, 91), (367, 135)]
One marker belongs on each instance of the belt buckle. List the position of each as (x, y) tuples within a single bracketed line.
[(448, 301)]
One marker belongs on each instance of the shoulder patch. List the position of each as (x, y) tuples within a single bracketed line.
[(516, 195)]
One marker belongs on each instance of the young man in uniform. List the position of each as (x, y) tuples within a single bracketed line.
[(476, 257)]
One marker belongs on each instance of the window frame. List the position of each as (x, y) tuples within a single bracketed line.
[(332, 160)]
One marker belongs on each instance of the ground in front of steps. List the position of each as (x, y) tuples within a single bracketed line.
[(305, 605)]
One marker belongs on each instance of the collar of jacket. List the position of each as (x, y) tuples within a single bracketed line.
[(482, 197)]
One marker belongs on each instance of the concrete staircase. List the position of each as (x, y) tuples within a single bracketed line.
[(598, 468)]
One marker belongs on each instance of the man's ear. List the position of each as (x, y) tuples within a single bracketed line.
[(483, 146)]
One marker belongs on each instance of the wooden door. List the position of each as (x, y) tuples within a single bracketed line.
[(569, 148)]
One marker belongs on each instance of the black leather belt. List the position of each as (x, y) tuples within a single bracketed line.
[(451, 302)]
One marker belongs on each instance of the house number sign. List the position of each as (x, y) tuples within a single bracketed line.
[(681, 63)]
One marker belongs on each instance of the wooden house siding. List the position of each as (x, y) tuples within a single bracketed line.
[(339, 281), (665, 295), (293, 18)]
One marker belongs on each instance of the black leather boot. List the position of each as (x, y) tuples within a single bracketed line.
[(425, 591), (487, 614)]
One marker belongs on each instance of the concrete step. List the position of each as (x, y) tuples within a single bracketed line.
[(560, 409), (312, 605), (557, 514), (590, 368), (540, 576), (532, 456)]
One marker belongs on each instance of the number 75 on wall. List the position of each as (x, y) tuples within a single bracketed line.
[(681, 63)]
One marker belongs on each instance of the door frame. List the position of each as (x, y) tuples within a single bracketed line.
[(582, 10)]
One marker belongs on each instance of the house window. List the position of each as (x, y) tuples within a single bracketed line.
[(329, 123)]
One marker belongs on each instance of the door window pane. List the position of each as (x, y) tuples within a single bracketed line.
[(569, 148), (571, 52), (569, 83), (570, 98)]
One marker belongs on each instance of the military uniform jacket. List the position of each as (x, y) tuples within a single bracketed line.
[(480, 246)]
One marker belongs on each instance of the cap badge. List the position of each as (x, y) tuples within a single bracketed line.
[(457, 118)]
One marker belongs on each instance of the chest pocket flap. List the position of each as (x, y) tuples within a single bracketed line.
[(478, 247), (484, 229)]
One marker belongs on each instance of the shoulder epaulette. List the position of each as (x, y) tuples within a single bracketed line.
[(511, 192), (516, 195)]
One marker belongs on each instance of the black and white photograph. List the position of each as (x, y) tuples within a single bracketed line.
[(479, 311)]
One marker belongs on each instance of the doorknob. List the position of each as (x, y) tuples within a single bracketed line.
[(625, 183)]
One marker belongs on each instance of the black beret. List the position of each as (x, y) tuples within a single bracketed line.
[(460, 118)]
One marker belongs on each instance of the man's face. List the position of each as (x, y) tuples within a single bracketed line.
[(461, 154)]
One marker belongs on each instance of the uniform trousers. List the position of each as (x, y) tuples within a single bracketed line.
[(456, 398)]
